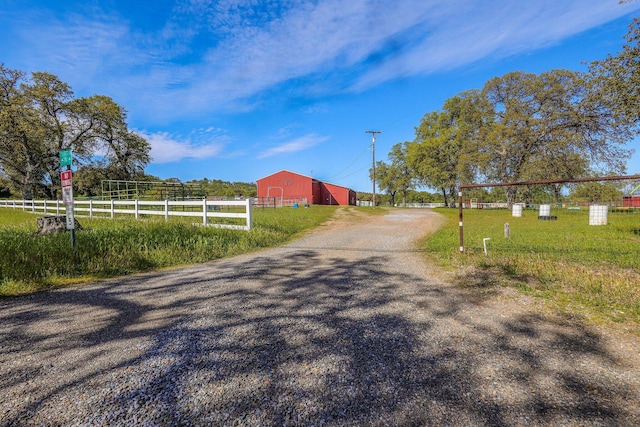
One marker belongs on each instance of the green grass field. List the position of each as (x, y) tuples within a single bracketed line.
[(109, 248), (592, 271), (581, 270)]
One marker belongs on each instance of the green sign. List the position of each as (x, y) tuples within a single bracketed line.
[(66, 158)]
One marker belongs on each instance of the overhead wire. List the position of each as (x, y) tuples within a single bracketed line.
[(337, 175)]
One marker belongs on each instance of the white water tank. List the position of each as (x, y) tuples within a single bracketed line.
[(516, 210), (598, 215), (545, 210)]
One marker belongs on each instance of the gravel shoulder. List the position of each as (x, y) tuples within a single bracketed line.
[(346, 326)]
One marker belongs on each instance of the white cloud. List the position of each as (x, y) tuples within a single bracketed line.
[(299, 144), (167, 149), (222, 56), (475, 32)]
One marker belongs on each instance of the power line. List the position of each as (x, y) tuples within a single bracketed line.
[(348, 166)]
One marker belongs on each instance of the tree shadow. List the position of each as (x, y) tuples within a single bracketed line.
[(295, 338)]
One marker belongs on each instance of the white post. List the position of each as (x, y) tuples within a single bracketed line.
[(249, 214), (90, 208), (166, 210), (113, 209), (57, 207), (33, 206), (137, 208), (204, 211), (45, 207)]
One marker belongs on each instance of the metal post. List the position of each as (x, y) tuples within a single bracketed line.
[(460, 221), (72, 232)]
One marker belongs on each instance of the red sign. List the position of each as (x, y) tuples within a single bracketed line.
[(66, 179)]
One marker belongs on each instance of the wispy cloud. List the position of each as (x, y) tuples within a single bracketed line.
[(213, 56), (302, 143), (166, 148), (474, 32)]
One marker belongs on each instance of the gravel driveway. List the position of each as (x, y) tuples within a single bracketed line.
[(348, 326)]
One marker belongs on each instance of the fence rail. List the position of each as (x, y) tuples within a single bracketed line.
[(205, 209), (421, 205)]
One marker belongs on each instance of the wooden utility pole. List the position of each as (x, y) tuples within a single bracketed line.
[(373, 161)]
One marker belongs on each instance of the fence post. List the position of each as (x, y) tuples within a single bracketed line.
[(460, 216), (33, 206), (166, 210), (137, 208), (249, 214), (45, 207), (90, 208), (204, 211), (113, 209)]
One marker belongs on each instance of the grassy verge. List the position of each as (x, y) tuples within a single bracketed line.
[(109, 248), (588, 271)]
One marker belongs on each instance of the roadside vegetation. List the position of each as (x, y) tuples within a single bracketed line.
[(109, 248), (581, 270)]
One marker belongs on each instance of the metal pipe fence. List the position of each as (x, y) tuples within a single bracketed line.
[(584, 218)]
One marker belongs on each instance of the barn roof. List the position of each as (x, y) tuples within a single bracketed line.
[(305, 176), (285, 170)]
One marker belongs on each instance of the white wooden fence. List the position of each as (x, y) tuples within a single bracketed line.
[(205, 209)]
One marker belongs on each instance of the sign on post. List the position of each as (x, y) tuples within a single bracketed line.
[(66, 178), (67, 195), (66, 157), (70, 219)]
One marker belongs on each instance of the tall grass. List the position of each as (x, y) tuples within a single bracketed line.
[(107, 248), (593, 271)]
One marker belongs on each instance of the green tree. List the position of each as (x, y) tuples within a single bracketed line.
[(547, 126), (596, 192), (617, 78), (395, 176), (444, 152), (39, 117)]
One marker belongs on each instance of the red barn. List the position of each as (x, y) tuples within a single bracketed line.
[(631, 201), (291, 187)]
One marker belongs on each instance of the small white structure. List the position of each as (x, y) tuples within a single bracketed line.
[(598, 215), (545, 210), (516, 210)]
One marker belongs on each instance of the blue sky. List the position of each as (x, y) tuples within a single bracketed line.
[(239, 89)]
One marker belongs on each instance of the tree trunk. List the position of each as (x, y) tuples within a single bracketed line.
[(453, 194), (511, 195)]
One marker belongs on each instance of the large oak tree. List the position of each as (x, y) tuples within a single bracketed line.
[(39, 116)]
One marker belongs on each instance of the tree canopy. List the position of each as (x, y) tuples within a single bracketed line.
[(39, 117), (618, 76), (558, 124), (395, 176)]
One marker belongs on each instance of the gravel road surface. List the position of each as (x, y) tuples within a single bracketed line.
[(347, 326)]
